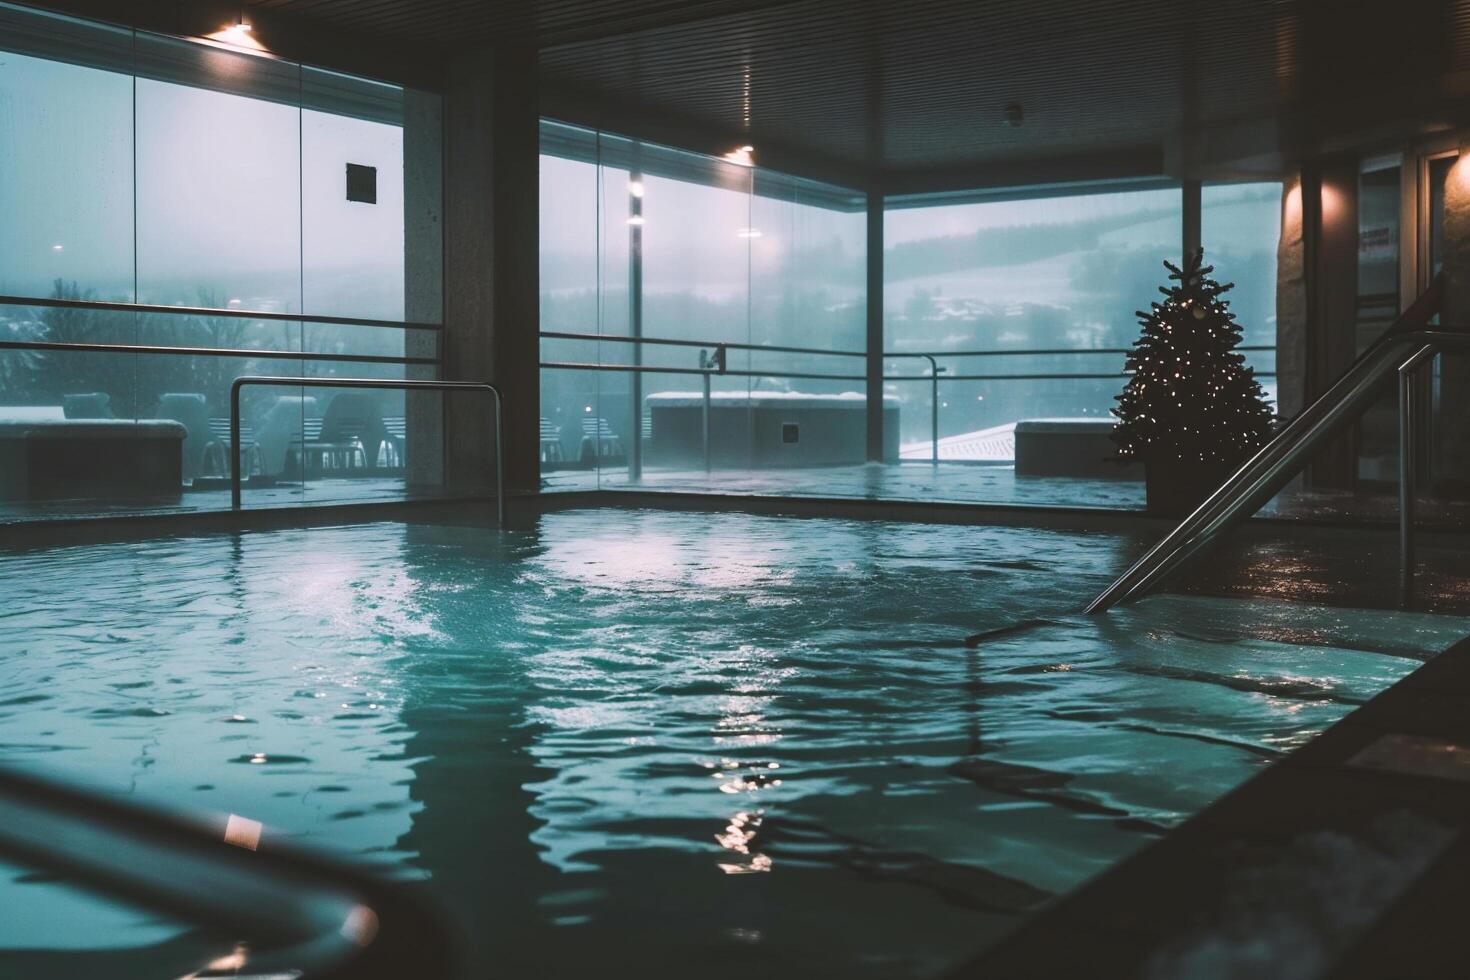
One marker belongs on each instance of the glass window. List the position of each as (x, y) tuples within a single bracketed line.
[(147, 168), (1240, 228), (695, 259), (66, 172), (1045, 289)]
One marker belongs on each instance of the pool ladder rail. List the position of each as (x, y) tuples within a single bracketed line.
[(1403, 350), (370, 383), (296, 914)]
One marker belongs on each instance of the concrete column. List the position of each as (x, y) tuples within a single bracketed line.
[(1452, 415), (423, 269), (1333, 284), (491, 265), (1291, 303), (1316, 298)]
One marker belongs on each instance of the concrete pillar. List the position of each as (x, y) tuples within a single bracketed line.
[(1316, 298), (1333, 327), (491, 264), (1291, 303), (423, 269), (1452, 415)]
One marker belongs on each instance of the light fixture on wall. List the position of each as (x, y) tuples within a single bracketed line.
[(239, 33), (636, 221), (635, 188), (742, 155), (748, 233)]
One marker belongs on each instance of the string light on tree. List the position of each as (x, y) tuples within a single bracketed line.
[(1190, 398)]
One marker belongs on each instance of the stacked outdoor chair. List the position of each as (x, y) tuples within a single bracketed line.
[(219, 431), (599, 443), (551, 451), (396, 448)]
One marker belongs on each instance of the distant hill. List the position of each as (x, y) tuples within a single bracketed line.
[(1011, 245)]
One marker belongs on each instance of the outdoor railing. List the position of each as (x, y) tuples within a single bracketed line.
[(937, 374), (228, 313)]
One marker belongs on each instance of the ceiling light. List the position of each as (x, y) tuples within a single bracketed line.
[(238, 32), (742, 155)]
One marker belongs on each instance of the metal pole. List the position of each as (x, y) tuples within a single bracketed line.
[(235, 446), (499, 458), (635, 317), (1407, 384), (933, 409), (706, 417), (873, 343)]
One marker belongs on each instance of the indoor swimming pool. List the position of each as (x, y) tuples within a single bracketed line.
[(658, 744)]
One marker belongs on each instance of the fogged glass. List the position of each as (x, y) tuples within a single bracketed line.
[(353, 447), (219, 180), (139, 167), (808, 265), (568, 451), (1240, 230), (677, 263), (352, 197), (66, 165), (570, 302), (981, 398), (1061, 275)]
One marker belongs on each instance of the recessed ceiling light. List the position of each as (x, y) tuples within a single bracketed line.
[(742, 155)]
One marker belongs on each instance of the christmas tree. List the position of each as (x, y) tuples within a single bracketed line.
[(1191, 397)]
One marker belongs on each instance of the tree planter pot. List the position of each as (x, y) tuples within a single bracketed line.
[(1177, 487)]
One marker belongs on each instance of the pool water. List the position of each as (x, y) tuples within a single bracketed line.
[(660, 743)]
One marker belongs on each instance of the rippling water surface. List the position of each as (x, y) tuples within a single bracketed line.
[(658, 744)]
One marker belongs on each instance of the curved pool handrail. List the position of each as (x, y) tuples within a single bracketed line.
[(1276, 463), (297, 914), (388, 383)]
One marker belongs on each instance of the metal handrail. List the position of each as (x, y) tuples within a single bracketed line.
[(646, 369), (239, 352), (371, 383), (1265, 473), (1042, 352), (110, 306), (301, 915), (674, 342), (776, 349), (934, 372)]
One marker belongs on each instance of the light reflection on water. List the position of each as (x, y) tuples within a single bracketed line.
[(739, 742)]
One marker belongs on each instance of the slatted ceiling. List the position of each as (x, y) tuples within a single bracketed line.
[(452, 23), (1089, 74), (920, 86)]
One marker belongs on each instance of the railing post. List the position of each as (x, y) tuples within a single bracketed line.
[(235, 445), (934, 370), (1408, 467), (704, 416)]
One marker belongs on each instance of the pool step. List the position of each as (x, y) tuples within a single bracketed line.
[(1345, 859)]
